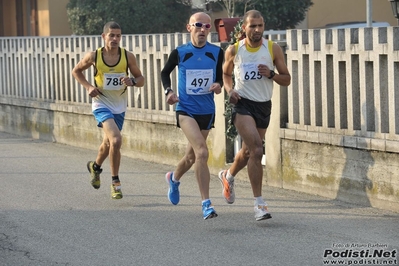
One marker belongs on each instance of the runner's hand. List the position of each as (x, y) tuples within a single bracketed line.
[(234, 97), (172, 98), (216, 88)]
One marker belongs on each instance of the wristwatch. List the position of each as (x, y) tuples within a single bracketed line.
[(133, 81), (167, 90), (271, 74)]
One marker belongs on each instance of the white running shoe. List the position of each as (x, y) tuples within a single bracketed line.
[(261, 212)]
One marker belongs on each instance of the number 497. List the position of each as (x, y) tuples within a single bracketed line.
[(200, 82)]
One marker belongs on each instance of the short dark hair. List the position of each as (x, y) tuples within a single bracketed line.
[(251, 14), (111, 25)]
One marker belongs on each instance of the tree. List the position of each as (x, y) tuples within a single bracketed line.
[(234, 6), (278, 14), (282, 14), (87, 17)]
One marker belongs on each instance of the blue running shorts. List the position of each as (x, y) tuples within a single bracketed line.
[(103, 114)]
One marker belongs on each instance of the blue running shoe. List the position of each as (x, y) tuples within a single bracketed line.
[(173, 193), (208, 210)]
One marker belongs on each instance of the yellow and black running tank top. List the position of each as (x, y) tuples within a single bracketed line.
[(108, 79)]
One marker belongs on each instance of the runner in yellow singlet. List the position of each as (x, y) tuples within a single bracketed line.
[(112, 65)]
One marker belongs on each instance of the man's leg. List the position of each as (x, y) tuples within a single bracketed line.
[(114, 136), (173, 178), (253, 145), (197, 140), (114, 143), (103, 151), (185, 163), (240, 160), (251, 151), (94, 167)]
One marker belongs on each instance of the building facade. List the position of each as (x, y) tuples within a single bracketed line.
[(34, 18), (49, 17), (325, 12)]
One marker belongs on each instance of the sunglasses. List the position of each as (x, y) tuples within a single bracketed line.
[(200, 25)]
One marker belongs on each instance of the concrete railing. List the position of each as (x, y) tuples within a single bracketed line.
[(276, 35), (40, 98), (40, 68), (345, 87), (340, 126)]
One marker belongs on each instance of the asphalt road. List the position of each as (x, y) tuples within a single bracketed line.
[(50, 215)]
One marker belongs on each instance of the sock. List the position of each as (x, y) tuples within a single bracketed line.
[(96, 166), (173, 178), (229, 176), (115, 179), (259, 201)]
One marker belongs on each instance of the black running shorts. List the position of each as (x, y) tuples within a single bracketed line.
[(260, 111), (205, 122)]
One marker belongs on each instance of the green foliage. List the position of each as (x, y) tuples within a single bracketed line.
[(87, 17), (82, 19), (281, 14), (278, 14), (237, 33), (231, 131)]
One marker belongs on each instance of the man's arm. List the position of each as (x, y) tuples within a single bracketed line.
[(219, 68), (134, 69), (173, 60), (168, 68), (283, 77), (228, 68), (216, 87), (77, 72)]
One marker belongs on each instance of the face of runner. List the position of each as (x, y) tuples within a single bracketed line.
[(254, 28), (112, 38), (199, 28)]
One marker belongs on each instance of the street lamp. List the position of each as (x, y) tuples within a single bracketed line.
[(395, 8)]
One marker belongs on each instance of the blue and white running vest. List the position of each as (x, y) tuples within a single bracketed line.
[(197, 72)]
